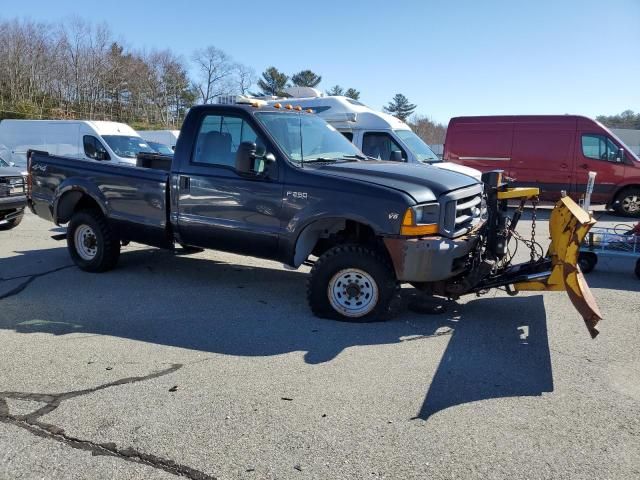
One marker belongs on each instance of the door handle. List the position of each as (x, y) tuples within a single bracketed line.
[(564, 165), (584, 165), (185, 182)]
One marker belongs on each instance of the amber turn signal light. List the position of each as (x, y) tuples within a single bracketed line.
[(410, 229)]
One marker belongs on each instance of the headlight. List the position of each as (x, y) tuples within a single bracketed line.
[(421, 220), (429, 213)]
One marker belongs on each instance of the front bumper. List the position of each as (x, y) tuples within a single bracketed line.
[(12, 203), (429, 259)]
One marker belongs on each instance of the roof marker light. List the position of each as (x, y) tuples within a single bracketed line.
[(288, 106), (276, 105), (298, 108)]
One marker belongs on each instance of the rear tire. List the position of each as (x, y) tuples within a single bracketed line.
[(627, 202), (351, 283), (587, 261), (638, 268), (13, 223), (93, 244)]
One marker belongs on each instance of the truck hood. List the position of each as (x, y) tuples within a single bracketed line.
[(454, 167), (12, 172), (424, 183)]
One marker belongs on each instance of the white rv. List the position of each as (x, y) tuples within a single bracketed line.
[(90, 140), (165, 137), (376, 134)]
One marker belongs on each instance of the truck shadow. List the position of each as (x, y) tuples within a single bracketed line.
[(621, 278), (211, 306), (499, 348)]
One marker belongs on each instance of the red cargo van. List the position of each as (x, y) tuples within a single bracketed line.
[(554, 152)]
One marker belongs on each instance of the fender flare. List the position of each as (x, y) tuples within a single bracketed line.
[(62, 210), (310, 231)]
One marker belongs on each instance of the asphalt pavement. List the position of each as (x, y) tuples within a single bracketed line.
[(211, 366)]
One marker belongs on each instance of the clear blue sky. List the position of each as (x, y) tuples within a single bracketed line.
[(449, 57)]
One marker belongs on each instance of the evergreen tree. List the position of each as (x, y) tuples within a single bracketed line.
[(273, 82), (400, 107), (335, 91), (306, 78), (352, 93)]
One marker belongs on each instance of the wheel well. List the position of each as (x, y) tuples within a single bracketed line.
[(324, 234), (622, 189), (72, 202)]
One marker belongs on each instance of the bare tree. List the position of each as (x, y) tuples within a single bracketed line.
[(215, 69), (244, 77), (76, 69), (431, 132)]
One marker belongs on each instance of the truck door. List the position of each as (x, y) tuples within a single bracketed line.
[(220, 208), (542, 155), (597, 152)]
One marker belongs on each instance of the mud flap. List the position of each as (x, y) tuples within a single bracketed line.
[(568, 226)]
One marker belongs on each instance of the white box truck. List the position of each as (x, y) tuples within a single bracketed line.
[(90, 140), (376, 134)]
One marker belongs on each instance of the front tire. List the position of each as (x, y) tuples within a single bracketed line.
[(93, 244), (627, 202), (351, 283)]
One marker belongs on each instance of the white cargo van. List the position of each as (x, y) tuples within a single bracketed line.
[(91, 140), (376, 134), (165, 137)]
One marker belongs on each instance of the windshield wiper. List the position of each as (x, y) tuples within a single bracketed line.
[(359, 157), (321, 160)]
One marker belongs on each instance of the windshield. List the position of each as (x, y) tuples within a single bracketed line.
[(420, 149), (161, 148), (127, 147), (3, 163), (628, 151), (305, 137)]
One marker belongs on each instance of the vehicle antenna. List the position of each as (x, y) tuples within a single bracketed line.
[(301, 149)]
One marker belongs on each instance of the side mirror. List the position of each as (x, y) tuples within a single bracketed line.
[(396, 156), (252, 159), (619, 156), (12, 164)]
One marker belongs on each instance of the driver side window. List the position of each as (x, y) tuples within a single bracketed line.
[(93, 148), (219, 139), (599, 147)]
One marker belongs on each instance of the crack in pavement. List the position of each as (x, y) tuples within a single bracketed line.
[(29, 278), (32, 424)]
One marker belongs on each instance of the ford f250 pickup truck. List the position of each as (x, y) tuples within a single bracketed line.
[(282, 184)]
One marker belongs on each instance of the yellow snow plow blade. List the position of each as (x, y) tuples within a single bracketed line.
[(568, 226)]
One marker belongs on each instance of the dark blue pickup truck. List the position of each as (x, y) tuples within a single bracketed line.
[(274, 183)]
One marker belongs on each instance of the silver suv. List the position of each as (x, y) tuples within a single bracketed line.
[(12, 195)]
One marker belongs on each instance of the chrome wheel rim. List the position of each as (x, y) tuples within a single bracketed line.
[(631, 204), (86, 242), (353, 292)]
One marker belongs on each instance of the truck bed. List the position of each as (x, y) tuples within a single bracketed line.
[(133, 198)]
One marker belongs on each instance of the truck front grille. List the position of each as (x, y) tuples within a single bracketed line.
[(462, 211), (11, 186)]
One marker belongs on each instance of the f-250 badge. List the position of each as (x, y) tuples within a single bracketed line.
[(302, 195)]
